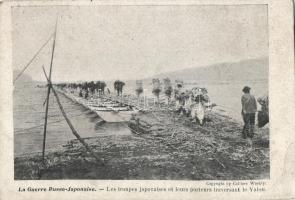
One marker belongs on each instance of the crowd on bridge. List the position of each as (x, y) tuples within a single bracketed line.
[(192, 103)]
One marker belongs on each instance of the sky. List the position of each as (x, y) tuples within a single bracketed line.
[(135, 42)]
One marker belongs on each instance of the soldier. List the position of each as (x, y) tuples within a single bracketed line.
[(200, 103), (263, 116), (200, 95), (86, 94), (187, 102), (249, 108), (179, 96)]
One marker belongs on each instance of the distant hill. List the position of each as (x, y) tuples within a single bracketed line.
[(256, 69), (24, 78)]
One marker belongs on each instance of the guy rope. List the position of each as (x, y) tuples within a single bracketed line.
[(32, 59), (49, 85), (69, 122), (49, 88)]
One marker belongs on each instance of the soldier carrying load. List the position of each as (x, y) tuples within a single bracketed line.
[(200, 103)]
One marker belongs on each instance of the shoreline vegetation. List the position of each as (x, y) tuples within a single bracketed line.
[(164, 146)]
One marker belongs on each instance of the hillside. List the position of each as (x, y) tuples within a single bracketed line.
[(256, 69)]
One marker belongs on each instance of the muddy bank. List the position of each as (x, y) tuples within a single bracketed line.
[(163, 146), (215, 149)]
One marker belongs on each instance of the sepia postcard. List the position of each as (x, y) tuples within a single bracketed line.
[(147, 99)]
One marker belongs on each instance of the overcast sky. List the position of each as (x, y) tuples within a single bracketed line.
[(133, 42)]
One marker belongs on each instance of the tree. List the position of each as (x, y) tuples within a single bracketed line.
[(118, 85)]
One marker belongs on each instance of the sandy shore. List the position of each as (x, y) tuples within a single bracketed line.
[(163, 146)]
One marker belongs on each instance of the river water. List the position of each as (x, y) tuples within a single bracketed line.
[(29, 112), (28, 119), (227, 95)]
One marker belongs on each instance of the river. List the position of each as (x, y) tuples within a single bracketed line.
[(28, 120)]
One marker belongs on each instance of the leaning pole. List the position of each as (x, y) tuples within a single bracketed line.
[(47, 97)]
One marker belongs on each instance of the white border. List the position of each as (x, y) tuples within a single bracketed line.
[(281, 91)]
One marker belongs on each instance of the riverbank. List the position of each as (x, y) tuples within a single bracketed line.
[(164, 146)]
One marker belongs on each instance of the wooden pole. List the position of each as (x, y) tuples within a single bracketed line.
[(70, 123), (47, 97)]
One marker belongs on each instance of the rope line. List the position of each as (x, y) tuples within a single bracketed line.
[(36, 54)]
